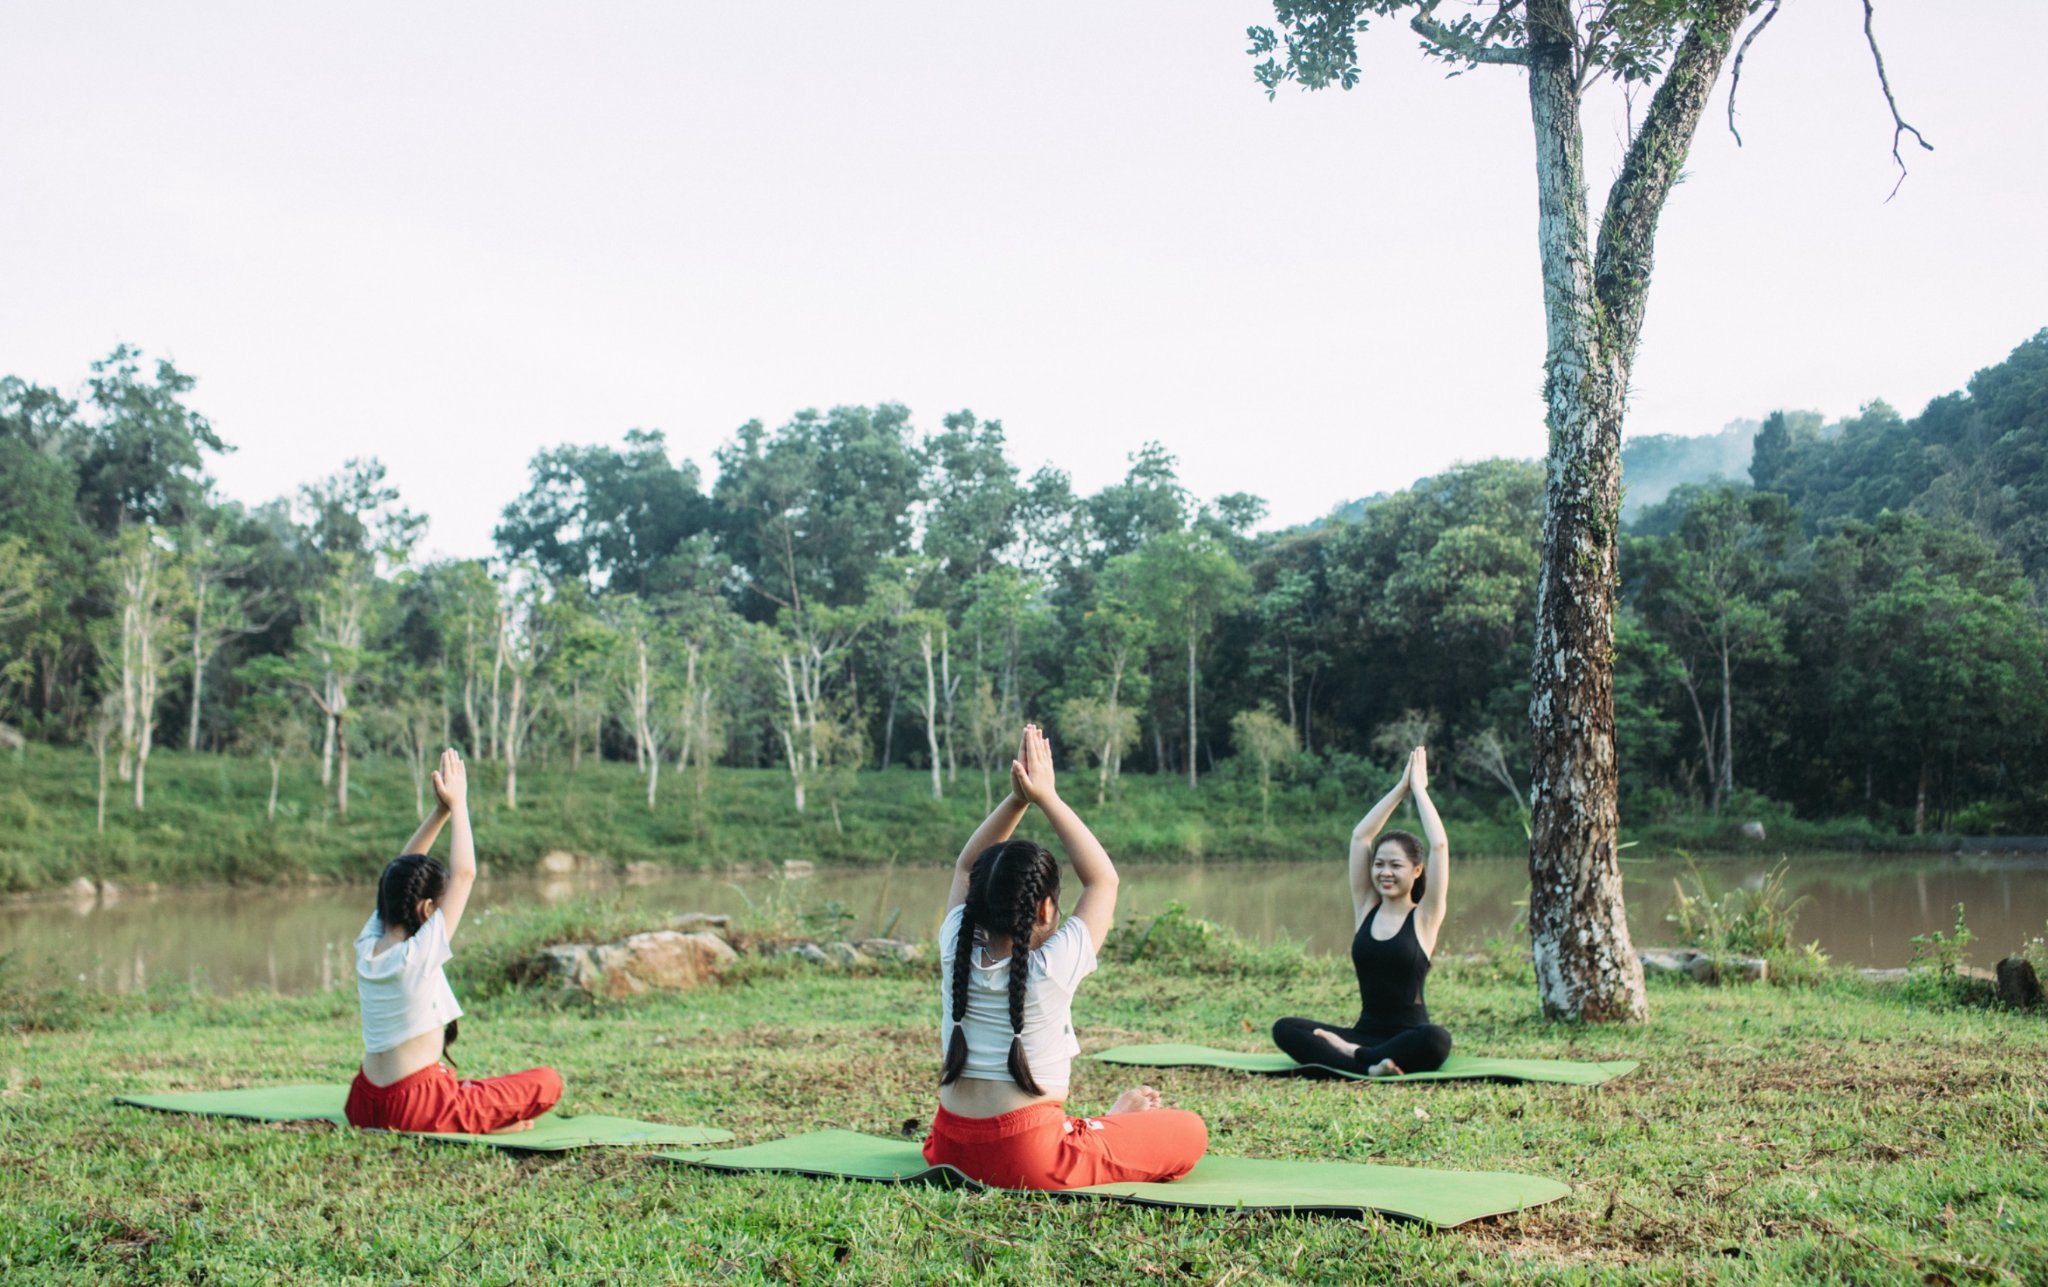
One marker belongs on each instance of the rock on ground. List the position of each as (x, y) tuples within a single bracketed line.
[(1704, 967), (2019, 986), (658, 960)]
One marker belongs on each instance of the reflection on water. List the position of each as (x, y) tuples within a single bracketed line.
[(1862, 911)]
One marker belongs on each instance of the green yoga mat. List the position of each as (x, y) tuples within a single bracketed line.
[(1442, 1198), (550, 1134), (1456, 1068)]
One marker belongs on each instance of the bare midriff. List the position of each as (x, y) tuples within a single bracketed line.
[(973, 1097), (383, 1067)]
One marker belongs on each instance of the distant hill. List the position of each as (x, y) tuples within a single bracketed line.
[(1653, 464), (1650, 467)]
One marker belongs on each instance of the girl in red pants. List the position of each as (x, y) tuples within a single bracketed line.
[(1009, 1038), (409, 1011)]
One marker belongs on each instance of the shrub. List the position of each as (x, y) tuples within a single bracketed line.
[(1755, 922), (1174, 940), (1935, 974)]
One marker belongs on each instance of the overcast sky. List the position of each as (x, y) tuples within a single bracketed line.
[(452, 235)]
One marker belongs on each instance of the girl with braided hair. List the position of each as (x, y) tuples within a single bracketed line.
[(409, 1011), (1011, 968), (1397, 902)]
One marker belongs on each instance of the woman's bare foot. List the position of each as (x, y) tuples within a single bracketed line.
[(1385, 1068), (1137, 1099), (514, 1128), (1348, 1049)]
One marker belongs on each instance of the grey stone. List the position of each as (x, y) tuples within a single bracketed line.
[(1753, 831), (843, 954), (82, 889), (889, 949), (1704, 967), (810, 952), (697, 922)]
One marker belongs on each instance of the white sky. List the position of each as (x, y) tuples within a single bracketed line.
[(451, 235)]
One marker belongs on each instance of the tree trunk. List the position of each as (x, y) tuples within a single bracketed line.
[(99, 747), (327, 749), (931, 718), (1920, 801), (947, 688), (198, 664), (1708, 749), (1727, 723), (1586, 966), (497, 672), (270, 809), (510, 745), (341, 769), (1308, 715), (1290, 688), (791, 732), (889, 725), (1191, 705)]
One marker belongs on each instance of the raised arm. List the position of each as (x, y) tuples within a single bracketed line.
[(451, 788), (1032, 778), (999, 826), (1436, 870), (1364, 894)]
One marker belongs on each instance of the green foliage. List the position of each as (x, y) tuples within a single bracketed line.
[(1177, 942), (1743, 921), (1936, 975), (1845, 683)]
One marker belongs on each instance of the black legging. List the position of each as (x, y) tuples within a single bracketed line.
[(1422, 1048)]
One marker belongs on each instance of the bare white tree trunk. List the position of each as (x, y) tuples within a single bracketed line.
[(1191, 702), (791, 732), (497, 674), (931, 711)]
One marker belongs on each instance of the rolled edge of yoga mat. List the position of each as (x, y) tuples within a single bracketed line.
[(1349, 1189), (1456, 1068)]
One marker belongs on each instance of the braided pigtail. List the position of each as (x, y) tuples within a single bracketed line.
[(408, 881), (956, 1041), (1023, 919)]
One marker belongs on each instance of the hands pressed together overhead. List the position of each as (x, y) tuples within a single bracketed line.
[(1031, 773), (451, 781)]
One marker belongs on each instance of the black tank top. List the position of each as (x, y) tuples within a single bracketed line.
[(1390, 976)]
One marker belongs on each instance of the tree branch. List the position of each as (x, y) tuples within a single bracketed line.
[(1628, 225), (1899, 126), (1735, 77), (1464, 44)]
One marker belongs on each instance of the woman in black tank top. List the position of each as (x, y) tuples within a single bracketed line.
[(1397, 899)]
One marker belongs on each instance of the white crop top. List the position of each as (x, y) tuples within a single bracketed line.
[(1057, 968), (402, 989)]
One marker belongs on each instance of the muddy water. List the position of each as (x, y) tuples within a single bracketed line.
[(1863, 911)]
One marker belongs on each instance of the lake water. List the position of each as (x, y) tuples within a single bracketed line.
[(1863, 911)]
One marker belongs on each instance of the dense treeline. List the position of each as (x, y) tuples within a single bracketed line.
[(1859, 632)]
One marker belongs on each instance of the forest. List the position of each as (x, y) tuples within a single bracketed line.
[(1855, 632)]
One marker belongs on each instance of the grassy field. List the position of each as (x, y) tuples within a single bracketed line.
[(1833, 1133), (205, 820)]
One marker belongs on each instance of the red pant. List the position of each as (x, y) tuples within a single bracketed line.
[(432, 1099), (1040, 1147)]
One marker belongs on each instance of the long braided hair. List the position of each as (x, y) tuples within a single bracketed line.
[(409, 880), (1004, 889)]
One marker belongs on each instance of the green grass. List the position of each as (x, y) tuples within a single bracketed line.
[(205, 819), (1834, 1133)]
